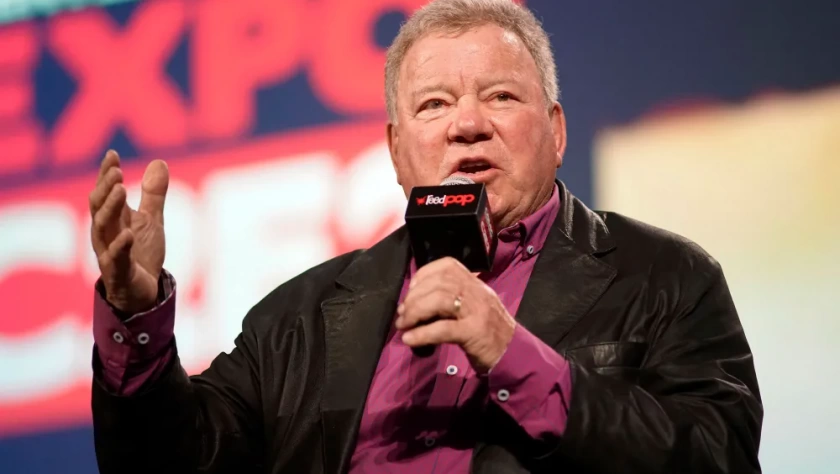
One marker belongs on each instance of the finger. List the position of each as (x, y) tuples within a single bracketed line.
[(439, 332), (106, 222), (103, 189), (446, 265), (120, 249), (153, 189), (111, 159), (115, 262), (421, 291), (125, 215), (440, 304)]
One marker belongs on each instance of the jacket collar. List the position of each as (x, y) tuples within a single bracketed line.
[(580, 226)]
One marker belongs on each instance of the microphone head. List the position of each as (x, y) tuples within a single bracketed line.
[(453, 180)]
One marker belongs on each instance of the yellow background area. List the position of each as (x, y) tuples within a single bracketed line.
[(758, 186)]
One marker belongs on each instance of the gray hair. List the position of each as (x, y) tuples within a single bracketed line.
[(458, 16)]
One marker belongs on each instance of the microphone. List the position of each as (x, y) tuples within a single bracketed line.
[(450, 220)]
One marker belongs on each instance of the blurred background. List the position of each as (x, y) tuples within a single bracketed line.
[(719, 120)]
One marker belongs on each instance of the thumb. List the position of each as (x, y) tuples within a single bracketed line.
[(153, 189)]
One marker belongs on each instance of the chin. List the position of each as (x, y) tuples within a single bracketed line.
[(497, 209)]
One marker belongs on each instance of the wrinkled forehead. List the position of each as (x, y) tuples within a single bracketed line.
[(447, 51)]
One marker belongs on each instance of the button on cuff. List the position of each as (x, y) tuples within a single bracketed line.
[(118, 337), (143, 338)]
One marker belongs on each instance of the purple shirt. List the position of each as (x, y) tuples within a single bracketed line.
[(135, 351), (421, 412)]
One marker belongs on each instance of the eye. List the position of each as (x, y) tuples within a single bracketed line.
[(432, 104), (503, 97)]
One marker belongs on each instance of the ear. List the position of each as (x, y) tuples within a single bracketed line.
[(393, 140), (558, 126)]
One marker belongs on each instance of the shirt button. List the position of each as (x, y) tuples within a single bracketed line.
[(451, 370), (530, 250), (503, 395), (429, 442), (143, 338), (118, 338)]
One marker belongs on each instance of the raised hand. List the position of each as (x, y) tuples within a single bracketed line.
[(129, 244)]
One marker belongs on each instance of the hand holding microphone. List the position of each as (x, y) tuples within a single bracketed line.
[(480, 324), (452, 236)]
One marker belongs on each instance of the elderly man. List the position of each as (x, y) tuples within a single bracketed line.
[(596, 343)]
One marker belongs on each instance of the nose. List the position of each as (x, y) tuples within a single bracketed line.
[(470, 124)]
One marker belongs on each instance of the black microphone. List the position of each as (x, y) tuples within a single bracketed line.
[(450, 220)]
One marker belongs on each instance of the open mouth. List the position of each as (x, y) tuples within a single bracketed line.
[(474, 167)]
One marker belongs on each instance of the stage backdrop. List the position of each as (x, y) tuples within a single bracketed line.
[(718, 120)]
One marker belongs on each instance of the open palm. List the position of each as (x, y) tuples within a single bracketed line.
[(130, 245)]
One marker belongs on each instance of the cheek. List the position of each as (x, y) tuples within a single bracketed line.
[(532, 136), (530, 143), (428, 141), (425, 152)]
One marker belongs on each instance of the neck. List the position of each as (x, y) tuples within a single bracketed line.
[(517, 215)]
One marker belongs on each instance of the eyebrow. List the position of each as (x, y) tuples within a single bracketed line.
[(430, 88), (439, 87)]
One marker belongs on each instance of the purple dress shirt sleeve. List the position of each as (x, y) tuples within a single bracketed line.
[(533, 384), (133, 351)]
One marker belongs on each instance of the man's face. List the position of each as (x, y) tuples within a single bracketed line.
[(473, 105)]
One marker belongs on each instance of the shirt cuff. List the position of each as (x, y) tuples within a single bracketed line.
[(140, 338), (532, 383)]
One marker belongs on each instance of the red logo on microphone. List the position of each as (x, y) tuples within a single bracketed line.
[(462, 199)]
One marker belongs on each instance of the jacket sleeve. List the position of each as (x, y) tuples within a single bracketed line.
[(206, 423), (695, 405)]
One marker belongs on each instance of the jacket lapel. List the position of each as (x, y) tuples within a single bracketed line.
[(569, 277), (567, 280), (356, 323)]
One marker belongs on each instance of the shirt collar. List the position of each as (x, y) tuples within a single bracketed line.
[(527, 236)]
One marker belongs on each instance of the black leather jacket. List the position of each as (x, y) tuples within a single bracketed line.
[(663, 377)]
